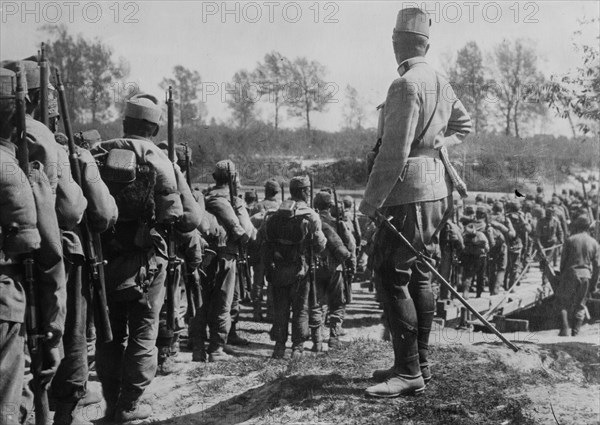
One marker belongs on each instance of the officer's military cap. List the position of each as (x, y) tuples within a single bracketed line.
[(31, 70), (143, 107), (223, 168), (413, 20), (272, 185), (299, 182), (323, 200)]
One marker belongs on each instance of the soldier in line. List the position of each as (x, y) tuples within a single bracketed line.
[(351, 220), (549, 232), (579, 276), (288, 236), (268, 205), (417, 121), (232, 226), (149, 197), (28, 227), (474, 254), (337, 256), (70, 385)]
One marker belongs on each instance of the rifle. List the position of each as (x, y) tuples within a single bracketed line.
[(243, 267), (92, 245), (188, 166), (173, 261), (282, 191), (35, 333), (312, 270), (340, 231), (44, 81)]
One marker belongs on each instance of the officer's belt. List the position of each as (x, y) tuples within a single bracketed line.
[(423, 170)]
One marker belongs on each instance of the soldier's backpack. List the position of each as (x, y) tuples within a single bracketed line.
[(286, 241)]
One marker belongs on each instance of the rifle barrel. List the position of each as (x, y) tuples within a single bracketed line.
[(44, 81)]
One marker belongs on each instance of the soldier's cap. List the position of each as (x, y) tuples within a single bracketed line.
[(272, 185), (31, 70), (299, 182), (8, 83), (479, 198), (498, 207), (539, 199), (482, 209), (413, 20), (469, 209), (223, 168), (250, 195), (539, 189), (550, 209), (490, 201), (348, 201), (90, 137), (581, 223), (323, 200), (144, 107), (555, 200)]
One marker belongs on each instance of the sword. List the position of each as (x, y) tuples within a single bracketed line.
[(426, 260)]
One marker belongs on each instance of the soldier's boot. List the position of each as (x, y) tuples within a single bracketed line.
[(219, 355), (576, 326), (381, 375), (297, 351), (425, 306), (334, 337), (564, 323), (64, 412), (234, 339), (279, 351), (132, 410), (167, 364), (497, 284), (92, 395), (317, 339), (406, 378), (111, 396)]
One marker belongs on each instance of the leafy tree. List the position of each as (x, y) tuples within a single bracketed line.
[(243, 94), (272, 75), (354, 111), (307, 90), (186, 84), (467, 77), (517, 83), (92, 78)]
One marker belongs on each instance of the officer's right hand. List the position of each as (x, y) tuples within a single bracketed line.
[(51, 362)]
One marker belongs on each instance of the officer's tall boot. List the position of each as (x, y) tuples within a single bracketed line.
[(564, 323), (407, 378), (425, 305)]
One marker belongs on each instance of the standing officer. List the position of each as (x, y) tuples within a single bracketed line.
[(149, 197), (417, 120), (28, 225), (288, 235), (579, 275), (338, 254)]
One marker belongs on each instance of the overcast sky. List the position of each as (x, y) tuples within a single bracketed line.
[(351, 38)]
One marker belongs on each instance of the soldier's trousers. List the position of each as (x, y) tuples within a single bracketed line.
[(127, 365), (217, 297), (330, 293), (292, 297), (69, 383), (12, 367), (473, 267), (573, 294), (513, 268), (496, 268), (406, 283)]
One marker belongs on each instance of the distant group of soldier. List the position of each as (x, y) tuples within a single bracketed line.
[(109, 260)]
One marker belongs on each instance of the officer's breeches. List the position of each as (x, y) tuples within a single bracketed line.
[(406, 283), (12, 366), (129, 362), (294, 297), (69, 383)]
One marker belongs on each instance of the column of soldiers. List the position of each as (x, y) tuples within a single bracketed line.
[(158, 234)]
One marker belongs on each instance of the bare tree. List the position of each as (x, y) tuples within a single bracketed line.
[(186, 84), (307, 90), (272, 76), (244, 94), (354, 111)]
